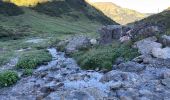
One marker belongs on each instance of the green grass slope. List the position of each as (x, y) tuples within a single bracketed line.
[(73, 8), (161, 19), (32, 23)]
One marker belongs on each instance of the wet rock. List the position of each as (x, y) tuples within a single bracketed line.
[(145, 92), (129, 94), (166, 74), (145, 46), (79, 95), (51, 87), (119, 76), (96, 93), (161, 53), (116, 85), (166, 82), (130, 67), (77, 42), (53, 96)]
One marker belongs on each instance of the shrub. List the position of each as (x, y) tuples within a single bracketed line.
[(32, 59), (14, 33), (8, 78), (28, 72), (104, 57)]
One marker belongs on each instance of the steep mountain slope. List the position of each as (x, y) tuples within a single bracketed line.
[(118, 14), (35, 22), (161, 19), (73, 8), (69, 16)]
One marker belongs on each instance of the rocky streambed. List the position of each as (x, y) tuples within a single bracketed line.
[(63, 79)]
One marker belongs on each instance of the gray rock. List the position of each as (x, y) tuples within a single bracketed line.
[(166, 82), (156, 62), (93, 41), (125, 39), (146, 30), (161, 53), (51, 87), (76, 43), (79, 95), (119, 76), (111, 32), (128, 94), (53, 96), (145, 46), (119, 60), (145, 92), (116, 85), (130, 67), (165, 40)]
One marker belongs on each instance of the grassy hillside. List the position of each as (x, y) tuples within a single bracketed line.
[(161, 19), (76, 9), (118, 14), (34, 23)]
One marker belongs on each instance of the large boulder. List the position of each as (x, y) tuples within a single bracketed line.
[(76, 43), (111, 32), (145, 46), (145, 30), (163, 53), (165, 40)]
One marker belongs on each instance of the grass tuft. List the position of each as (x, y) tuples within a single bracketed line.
[(31, 59)]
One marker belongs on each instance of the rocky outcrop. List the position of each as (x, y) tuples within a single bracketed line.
[(74, 43), (145, 46), (161, 53), (165, 40), (111, 32), (145, 30), (77, 42)]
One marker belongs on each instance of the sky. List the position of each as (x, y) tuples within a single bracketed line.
[(143, 6)]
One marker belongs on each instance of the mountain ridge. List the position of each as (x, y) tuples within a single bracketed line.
[(117, 13)]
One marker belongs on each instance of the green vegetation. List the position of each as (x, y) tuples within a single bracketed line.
[(8, 78), (28, 72), (104, 57), (12, 33), (160, 19), (15, 30), (31, 59), (9, 9), (5, 56), (75, 9)]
